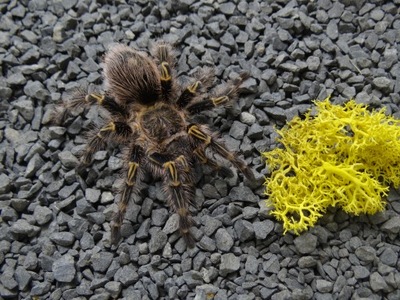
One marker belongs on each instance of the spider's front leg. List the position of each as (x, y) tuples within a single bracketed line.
[(222, 96), (98, 139), (202, 157), (179, 188), (201, 139), (81, 99), (131, 185), (162, 52)]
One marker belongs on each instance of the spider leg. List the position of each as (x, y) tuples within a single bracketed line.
[(113, 130), (203, 80), (163, 54), (178, 184), (82, 99), (130, 186), (201, 138), (201, 156), (222, 96)]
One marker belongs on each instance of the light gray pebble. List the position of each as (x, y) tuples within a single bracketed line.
[(210, 224), (251, 265), (263, 229), (68, 159), (207, 244), (63, 238), (157, 241), (306, 243), (244, 194), (223, 240), (22, 228), (247, 118), (127, 275), (244, 230), (64, 269), (392, 225), (377, 282), (101, 261), (324, 286), (172, 224), (360, 272), (92, 195), (42, 214), (389, 257), (366, 253), (5, 184), (229, 264), (23, 278), (114, 288)]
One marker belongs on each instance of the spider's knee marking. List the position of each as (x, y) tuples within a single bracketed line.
[(171, 166), (200, 154), (184, 163), (97, 97), (109, 127), (165, 71), (132, 172), (220, 100), (193, 88), (197, 133)]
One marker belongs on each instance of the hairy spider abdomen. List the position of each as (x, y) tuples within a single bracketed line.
[(131, 76)]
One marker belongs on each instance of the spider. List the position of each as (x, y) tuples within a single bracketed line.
[(150, 115)]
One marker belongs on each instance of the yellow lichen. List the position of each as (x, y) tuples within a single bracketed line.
[(344, 156)]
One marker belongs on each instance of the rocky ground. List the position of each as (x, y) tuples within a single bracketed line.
[(54, 237)]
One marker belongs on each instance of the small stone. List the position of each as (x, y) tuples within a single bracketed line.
[(243, 193), (64, 269), (238, 130), (392, 225), (92, 195), (157, 241), (114, 288), (227, 8), (64, 239), (126, 275), (247, 118), (389, 257), (223, 240), (23, 228), (172, 224), (263, 229), (229, 264), (366, 253), (42, 214), (324, 286), (68, 159), (159, 216), (251, 265), (306, 243), (101, 261), (36, 90), (382, 83), (360, 272), (207, 244), (377, 282), (23, 278), (244, 230), (5, 184)]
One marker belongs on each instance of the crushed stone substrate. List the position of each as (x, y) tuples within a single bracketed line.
[(55, 224)]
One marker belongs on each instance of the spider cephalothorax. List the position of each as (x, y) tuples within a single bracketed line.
[(150, 115)]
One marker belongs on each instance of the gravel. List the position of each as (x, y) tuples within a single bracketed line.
[(55, 229)]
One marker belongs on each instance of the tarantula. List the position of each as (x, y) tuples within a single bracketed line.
[(150, 116)]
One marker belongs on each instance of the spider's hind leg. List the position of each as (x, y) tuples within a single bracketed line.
[(131, 185), (179, 188)]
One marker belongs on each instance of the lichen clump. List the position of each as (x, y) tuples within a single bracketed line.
[(343, 156)]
